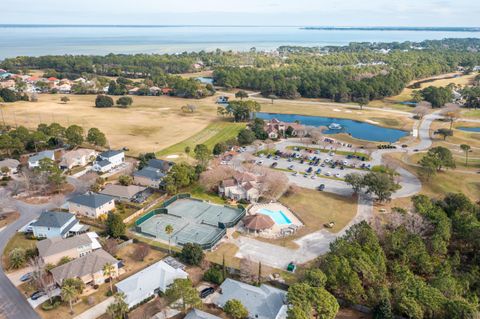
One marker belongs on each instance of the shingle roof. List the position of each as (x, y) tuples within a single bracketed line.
[(51, 246), (53, 219), (160, 164), (86, 265), (92, 200), (264, 302), (110, 153), (42, 155), (122, 191), (150, 173), (103, 163), (198, 314)]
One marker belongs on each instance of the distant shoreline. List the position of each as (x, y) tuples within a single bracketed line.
[(327, 28), (432, 29)]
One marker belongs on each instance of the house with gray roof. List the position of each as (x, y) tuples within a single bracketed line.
[(264, 302), (198, 314), (51, 250), (91, 205), (148, 282), (56, 224), (124, 193), (88, 268), (108, 160), (34, 161), (152, 175)]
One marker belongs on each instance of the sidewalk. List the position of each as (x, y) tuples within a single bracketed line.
[(97, 310)]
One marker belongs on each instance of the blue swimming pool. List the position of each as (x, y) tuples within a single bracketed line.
[(469, 129), (277, 215)]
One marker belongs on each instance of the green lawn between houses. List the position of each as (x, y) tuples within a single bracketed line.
[(211, 135)]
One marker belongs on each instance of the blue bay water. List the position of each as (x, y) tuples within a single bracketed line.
[(46, 40)]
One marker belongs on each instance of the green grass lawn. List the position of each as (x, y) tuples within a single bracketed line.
[(19, 240), (472, 113), (211, 135)]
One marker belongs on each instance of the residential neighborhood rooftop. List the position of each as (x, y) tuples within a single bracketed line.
[(53, 219), (93, 200), (198, 314), (122, 191), (51, 246), (110, 153)]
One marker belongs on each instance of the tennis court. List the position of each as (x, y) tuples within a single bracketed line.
[(193, 221)]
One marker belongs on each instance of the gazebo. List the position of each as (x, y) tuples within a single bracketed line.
[(258, 222)]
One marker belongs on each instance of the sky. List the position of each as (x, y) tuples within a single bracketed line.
[(463, 13)]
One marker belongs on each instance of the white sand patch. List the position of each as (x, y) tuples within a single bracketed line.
[(359, 113), (371, 122), (337, 110), (172, 156), (348, 111)]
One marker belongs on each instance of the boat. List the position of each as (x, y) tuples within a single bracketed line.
[(335, 126)]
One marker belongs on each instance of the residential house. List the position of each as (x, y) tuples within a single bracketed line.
[(51, 250), (7, 84), (34, 161), (88, 268), (152, 175), (198, 314), (11, 164), (91, 204), (56, 224), (240, 186), (167, 91), (222, 99), (64, 88), (124, 193), (155, 90), (79, 157), (149, 281), (133, 91), (108, 160), (264, 302)]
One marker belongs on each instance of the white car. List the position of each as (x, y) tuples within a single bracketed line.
[(259, 162), (291, 167), (328, 174), (337, 175), (314, 176), (345, 163), (295, 174)]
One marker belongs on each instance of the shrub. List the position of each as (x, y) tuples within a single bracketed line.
[(124, 101), (103, 101), (56, 301), (141, 252), (235, 309), (214, 275), (16, 258)]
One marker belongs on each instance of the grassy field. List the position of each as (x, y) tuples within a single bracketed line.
[(214, 133), (17, 241), (151, 124), (316, 208), (471, 113)]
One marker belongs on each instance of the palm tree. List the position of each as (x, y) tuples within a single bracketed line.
[(466, 149), (119, 307), (69, 293), (109, 271), (169, 232)]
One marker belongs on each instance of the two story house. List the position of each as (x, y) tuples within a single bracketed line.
[(34, 161), (91, 205), (51, 250), (108, 160), (79, 157), (56, 224), (152, 175)]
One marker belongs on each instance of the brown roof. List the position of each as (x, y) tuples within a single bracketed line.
[(258, 222), (86, 265), (122, 191), (244, 177), (228, 182)]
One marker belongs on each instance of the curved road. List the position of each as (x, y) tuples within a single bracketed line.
[(13, 305), (317, 243)]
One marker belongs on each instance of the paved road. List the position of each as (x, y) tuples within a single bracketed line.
[(13, 305)]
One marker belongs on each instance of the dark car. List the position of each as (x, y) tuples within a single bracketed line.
[(26, 277), (321, 187), (309, 170), (274, 164), (206, 292), (37, 294)]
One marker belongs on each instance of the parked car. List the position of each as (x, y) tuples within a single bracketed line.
[(309, 170), (206, 292), (314, 176), (274, 164), (337, 175), (26, 277), (328, 174), (37, 294), (291, 167), (295, 174), (321, 187)]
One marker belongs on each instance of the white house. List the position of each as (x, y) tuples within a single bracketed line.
[(91, 205), (264, 302), (108, 160), (79, 157), (34, 161), (241, 186), (149, 281), (56, 224)]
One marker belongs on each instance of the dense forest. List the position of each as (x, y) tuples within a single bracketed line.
[(420, 264)]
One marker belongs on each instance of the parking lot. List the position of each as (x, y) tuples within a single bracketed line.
[(312, 168)]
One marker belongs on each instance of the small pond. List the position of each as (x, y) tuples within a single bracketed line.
[(357, 129), (469, 129)]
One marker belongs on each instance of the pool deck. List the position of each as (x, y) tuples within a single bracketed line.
[(276, 230)]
